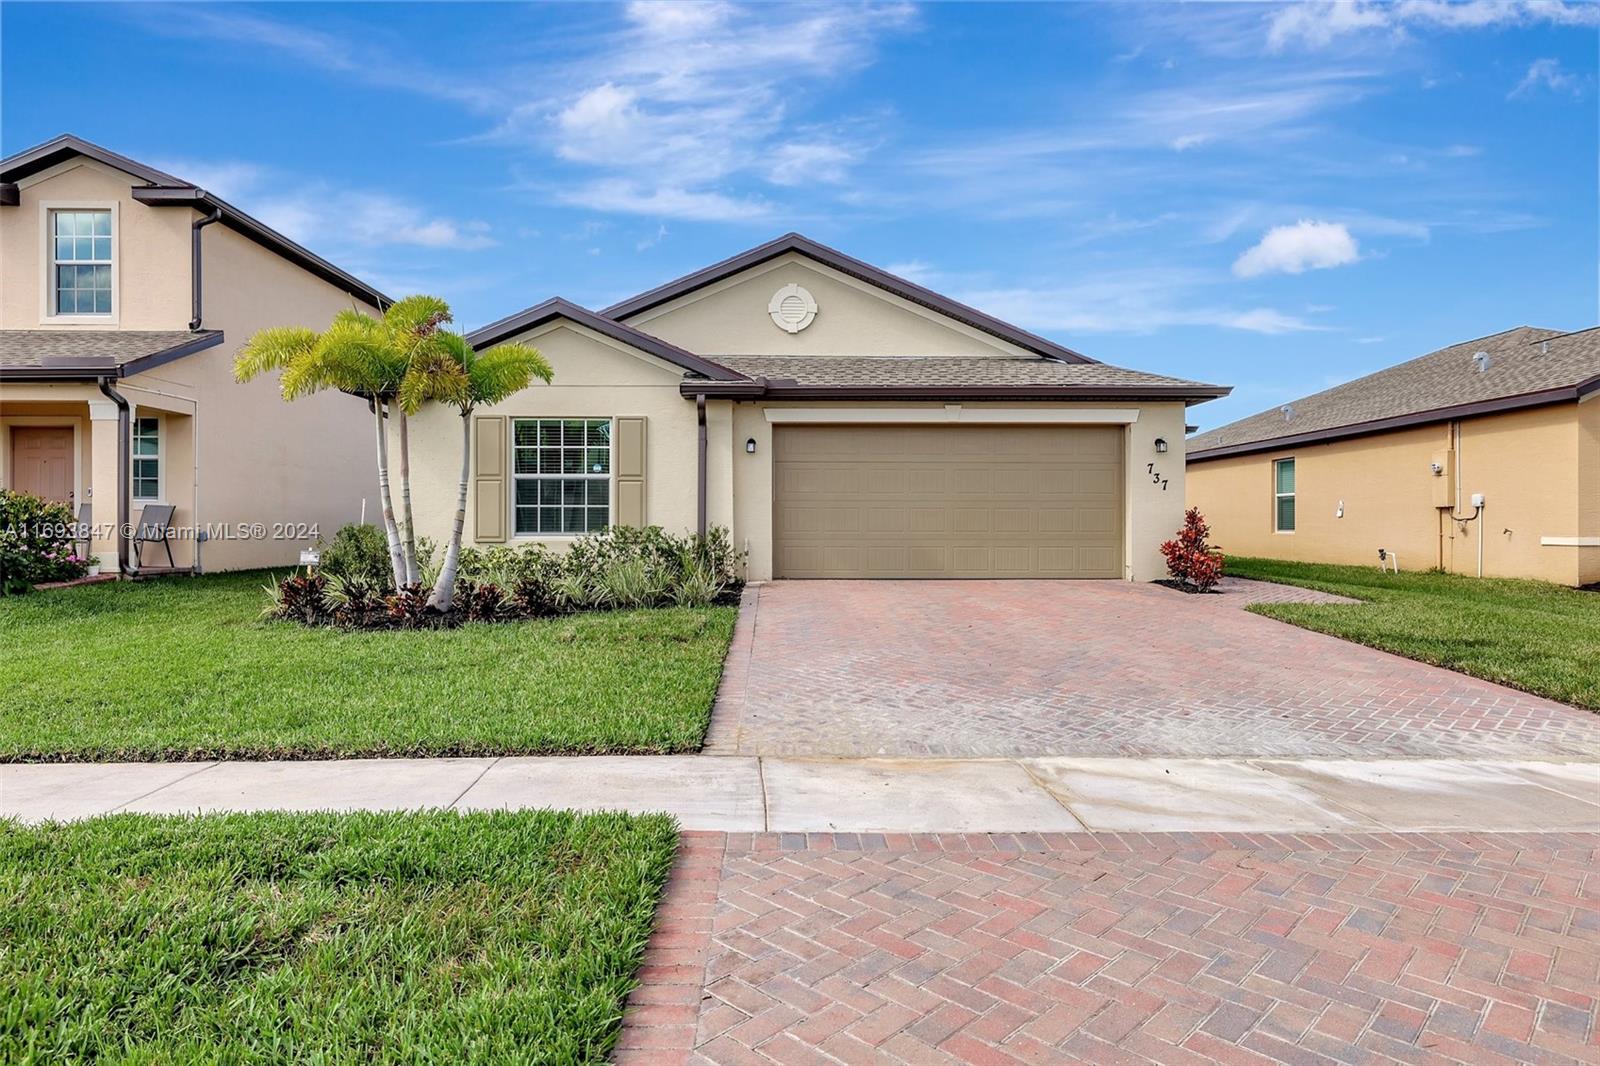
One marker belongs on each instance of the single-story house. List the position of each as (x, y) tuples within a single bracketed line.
[(1480, 458), (126, 293), (838, 420)]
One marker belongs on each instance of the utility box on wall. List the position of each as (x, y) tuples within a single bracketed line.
[(1444, 478)]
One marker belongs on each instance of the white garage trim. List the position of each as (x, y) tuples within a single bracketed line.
[(1121, 416), (1570, 542)]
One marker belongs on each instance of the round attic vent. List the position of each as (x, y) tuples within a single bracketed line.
[(792, 308)]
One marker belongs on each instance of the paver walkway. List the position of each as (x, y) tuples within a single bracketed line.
[(1181, 948), (968, 668)]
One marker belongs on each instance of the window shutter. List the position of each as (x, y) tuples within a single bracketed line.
[(489, 478), (629, 462)]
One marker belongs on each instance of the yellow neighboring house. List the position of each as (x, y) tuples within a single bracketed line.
[(1480, 458), (124, 294)]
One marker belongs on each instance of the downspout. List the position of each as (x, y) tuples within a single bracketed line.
[(194, 262), (700, 457), (124, 462)]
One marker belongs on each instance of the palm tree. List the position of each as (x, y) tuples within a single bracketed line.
[(445, 368), (357, 354)]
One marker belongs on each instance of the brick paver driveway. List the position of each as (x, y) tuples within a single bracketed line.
[(1183, 948), (951, 668)]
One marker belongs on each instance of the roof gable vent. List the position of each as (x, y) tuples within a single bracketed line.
[(1288, 412), (1481, 361), (1544, 347)]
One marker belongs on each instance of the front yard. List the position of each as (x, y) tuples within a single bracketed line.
[(185, 668), (1538, 637), (507, 937)]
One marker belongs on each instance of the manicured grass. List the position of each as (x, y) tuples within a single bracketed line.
[(437, 937), (1535, 636), (185, 668)]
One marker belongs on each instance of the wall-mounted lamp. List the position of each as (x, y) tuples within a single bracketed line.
[(1161, 445), (750, 445)]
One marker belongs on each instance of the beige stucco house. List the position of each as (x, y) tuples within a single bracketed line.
[(124, 294), (838, 420), (1479, 458)]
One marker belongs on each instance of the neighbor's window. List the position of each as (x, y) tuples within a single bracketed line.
[(80, 262), (562, 473), (146, 458), (1283, 495)]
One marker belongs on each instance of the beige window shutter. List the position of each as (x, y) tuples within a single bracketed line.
[(628, 455), (489, 478)]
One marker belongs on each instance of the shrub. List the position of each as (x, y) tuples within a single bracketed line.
[(1190, 559), (629, 583), (356, 602), (359, 553), (697, 586), (300, 598), (36, 542)]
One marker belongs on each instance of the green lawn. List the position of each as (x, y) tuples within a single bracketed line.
[(1538, 637), (184, 668), (360, 938)]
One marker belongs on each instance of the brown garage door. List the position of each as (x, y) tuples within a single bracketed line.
[(947, 501)]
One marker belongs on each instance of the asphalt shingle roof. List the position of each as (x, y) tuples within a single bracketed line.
[(938, 370), (47, 347), (1522, 361)]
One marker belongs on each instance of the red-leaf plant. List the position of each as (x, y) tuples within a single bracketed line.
[(1189, 558)]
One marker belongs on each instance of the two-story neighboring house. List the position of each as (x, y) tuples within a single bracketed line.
[(125, 293)]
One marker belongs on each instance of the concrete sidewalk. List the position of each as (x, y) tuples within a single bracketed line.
[(748, 794)]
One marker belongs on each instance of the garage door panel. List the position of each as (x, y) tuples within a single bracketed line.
[(946, 501)]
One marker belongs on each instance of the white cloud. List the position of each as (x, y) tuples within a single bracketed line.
[(801, 164), (660, 201), (1547, 74), (1129, 301), (1306, 245), (1318, 24), (313, 211)]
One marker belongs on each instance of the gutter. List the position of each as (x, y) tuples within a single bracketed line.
[(194, 262), (700, 464), (124, 472), (762, 388)]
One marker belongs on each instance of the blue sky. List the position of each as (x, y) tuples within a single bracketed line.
[(1277, 198)]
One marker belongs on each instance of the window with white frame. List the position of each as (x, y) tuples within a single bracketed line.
[(561, 473), (1283, 496), (80, 262), (146, 458)]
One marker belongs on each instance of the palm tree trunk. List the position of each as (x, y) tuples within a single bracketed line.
[(444, 589), (396, 562), (408, 532)]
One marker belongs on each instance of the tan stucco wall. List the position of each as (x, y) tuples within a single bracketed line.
[(1589, 489), (151, 250), (235, 455), (595, 377), (853, 318), (1524, 462)]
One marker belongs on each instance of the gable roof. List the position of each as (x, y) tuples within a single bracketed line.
[(164, 190), (832, 257), (1527, 367), (539, 314), (84, 355)]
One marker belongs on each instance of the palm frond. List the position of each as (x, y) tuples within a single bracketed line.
[(435, 374), (505, 370), (418, 315), (272, 349)]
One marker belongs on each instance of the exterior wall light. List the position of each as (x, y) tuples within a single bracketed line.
[(1161, 445), (750, 445)]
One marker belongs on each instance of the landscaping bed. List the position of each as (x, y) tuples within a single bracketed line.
[(1531, 635), (186, 668), (431, 937)]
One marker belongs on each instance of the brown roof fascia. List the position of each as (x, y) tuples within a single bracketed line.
[(845, 264), (59, 149), (761, 388), (1544, 397), (556, 307), (93, 368)]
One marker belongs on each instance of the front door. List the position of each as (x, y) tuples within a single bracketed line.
[(41, 461)]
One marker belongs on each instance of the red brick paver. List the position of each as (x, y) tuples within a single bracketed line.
[(1028, 668), (1175, 948)]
